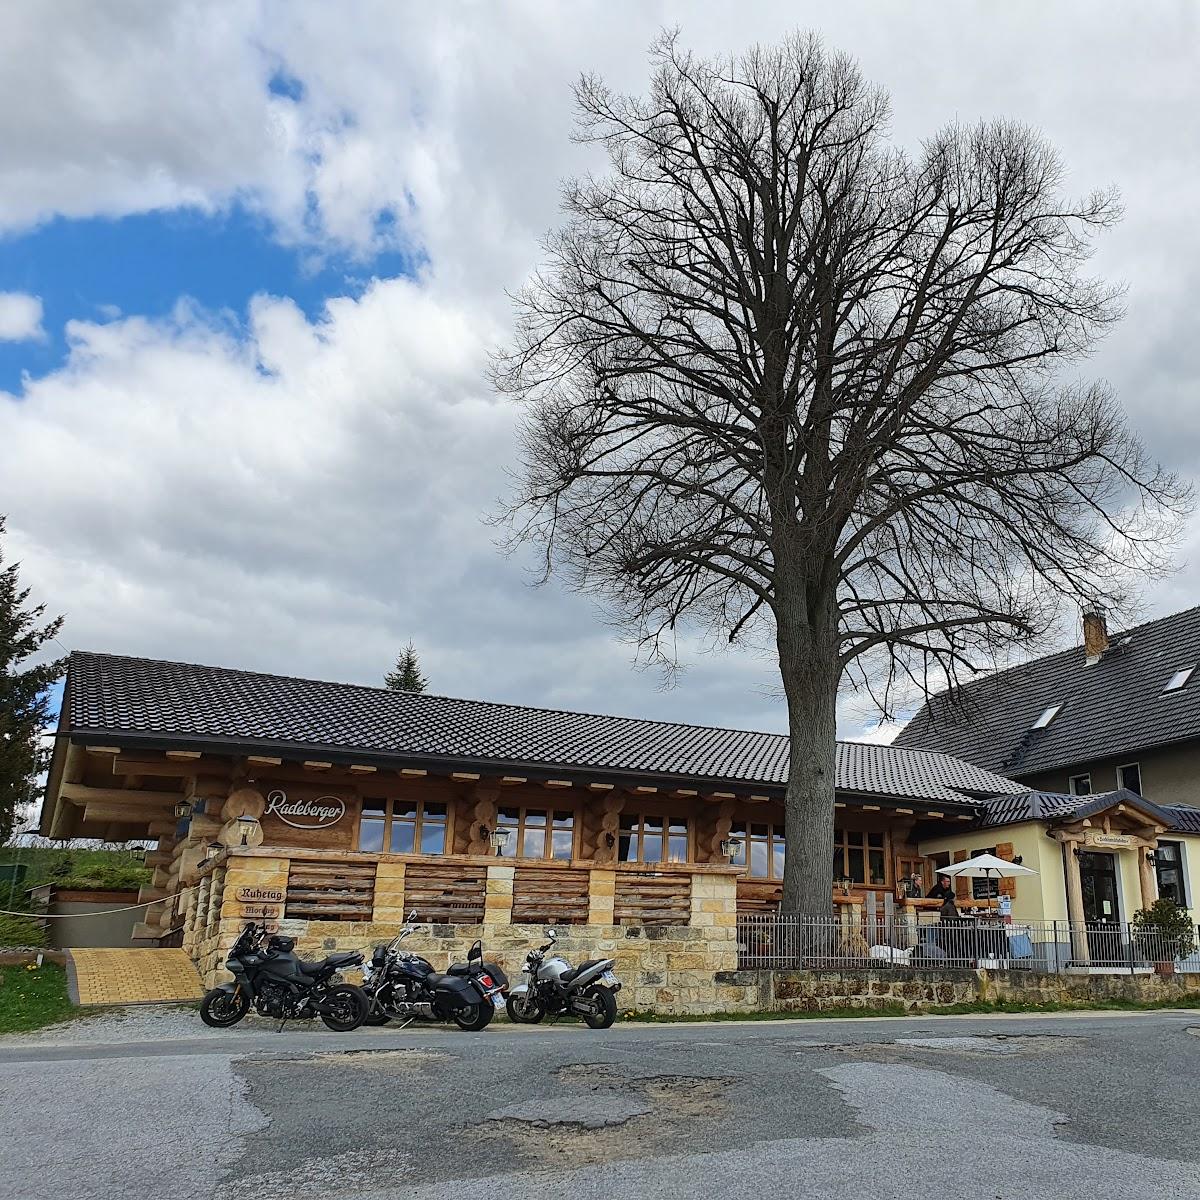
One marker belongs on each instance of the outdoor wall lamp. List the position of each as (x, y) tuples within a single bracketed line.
[(731, 847), (845, 883), (610, 840), (213, 848), (497, 838), (246, 825), (1019, 859), (183, 809), (1151, 856)]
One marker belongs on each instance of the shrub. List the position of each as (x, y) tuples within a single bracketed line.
[(1164, 931)]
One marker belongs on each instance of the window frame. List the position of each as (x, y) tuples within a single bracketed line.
[(390, 819), (744, 858), (841, 843), (1048, 715), (1137, 766), (1184, 675), (666, 820), (547, 854), (1071, 784), (1180, 866)]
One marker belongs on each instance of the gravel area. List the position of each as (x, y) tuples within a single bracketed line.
[(142, 1023)]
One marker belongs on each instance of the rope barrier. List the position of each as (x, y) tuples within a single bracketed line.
[(6, 912)]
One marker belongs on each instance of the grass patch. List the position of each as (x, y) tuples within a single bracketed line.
[(33, 997), (1189, 1000), (113, 870)]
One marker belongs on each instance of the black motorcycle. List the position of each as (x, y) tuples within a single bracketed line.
[(268, 976), (401, 986)]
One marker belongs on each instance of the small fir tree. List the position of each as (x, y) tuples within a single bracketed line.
[(406, 677), (24, 695)]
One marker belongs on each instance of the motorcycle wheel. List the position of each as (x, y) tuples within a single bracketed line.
[(524, 1010), (473, 1017), (606, 1004), (348, 1008), (221, 1009)]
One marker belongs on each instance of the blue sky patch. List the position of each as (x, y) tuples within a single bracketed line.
[(98, 269)]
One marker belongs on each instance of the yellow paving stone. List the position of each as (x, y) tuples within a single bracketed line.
[(134, 976)]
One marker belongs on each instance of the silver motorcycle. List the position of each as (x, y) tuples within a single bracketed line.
[(553, 988)]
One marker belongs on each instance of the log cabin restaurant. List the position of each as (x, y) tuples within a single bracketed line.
[(334, 808)]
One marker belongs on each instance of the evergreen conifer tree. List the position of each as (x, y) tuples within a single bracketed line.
[(24, 695)]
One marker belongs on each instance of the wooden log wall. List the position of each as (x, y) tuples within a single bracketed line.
[(320, 890), (445, 893), (550, 896), (650, 898)]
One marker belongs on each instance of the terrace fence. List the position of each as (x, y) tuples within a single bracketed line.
[(849, 942)]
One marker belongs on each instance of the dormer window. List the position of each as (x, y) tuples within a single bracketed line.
[(1179, 679), (1047, 716)]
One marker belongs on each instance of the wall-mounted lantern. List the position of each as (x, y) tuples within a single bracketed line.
[(183, 809), (731, 847), (497, 838)]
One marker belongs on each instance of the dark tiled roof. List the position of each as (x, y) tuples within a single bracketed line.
[(1112, 707), (1050, 806), (147, 700)]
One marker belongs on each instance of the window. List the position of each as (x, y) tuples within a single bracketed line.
[(402, 826), (649, 839), (1048, 715), (1168, 870), (1179, 679), (860, 856), (985, 889), (537, 833), (762, 850), (1130, 776), (1081, 785)]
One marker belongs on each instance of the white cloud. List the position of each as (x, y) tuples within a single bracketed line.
[(20, 317), (306, 495)]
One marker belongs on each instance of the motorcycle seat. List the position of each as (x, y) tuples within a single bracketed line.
[(575, 972), (435, 978), (346, 958)]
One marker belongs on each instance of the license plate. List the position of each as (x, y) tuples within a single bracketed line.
[(497, 999), (609, 978)]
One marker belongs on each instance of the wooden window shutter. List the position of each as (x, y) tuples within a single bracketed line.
[(1004, 850), (962, 884)]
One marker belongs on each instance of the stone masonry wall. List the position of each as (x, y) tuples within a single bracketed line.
[(816, 991), (664, 968)]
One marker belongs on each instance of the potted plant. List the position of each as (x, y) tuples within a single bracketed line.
[(1164, 933)]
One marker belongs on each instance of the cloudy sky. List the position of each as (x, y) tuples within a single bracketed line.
[(252, 258)]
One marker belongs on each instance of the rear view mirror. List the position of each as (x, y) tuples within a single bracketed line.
[(551, 935)]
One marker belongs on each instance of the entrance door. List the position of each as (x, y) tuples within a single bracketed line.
[(1098, 877)]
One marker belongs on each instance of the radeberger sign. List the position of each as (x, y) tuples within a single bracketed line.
[(320, 813)]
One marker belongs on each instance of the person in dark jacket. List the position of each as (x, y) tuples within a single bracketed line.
[(942, 890)]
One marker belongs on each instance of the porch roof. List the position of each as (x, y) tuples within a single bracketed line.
[(1055, 806), (111, 698)]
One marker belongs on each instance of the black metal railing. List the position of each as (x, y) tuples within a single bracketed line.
[(852, 942)]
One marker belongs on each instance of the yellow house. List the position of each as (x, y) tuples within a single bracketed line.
[(1099, 859)]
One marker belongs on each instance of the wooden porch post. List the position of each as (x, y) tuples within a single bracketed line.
[(1146, 876), (1079, 942)]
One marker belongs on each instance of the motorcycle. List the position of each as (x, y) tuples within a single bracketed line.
[(554, 988), (404, 986), (268, 976)]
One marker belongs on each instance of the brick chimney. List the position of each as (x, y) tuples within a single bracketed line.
[(1095, 635)]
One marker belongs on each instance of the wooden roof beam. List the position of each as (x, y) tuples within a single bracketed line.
[(78, 793)]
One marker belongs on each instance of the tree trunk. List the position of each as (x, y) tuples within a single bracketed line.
[(808, 664)]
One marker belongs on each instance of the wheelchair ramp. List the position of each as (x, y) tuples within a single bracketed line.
[(132, 976)]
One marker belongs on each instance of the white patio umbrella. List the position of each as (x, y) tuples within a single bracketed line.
[(986, 866)]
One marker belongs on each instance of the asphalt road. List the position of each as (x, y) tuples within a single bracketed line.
[(997, 1108)]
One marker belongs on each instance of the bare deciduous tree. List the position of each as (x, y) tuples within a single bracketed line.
[(778, 372)]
